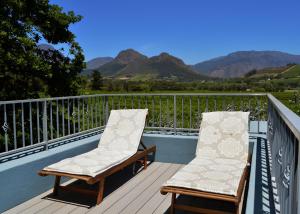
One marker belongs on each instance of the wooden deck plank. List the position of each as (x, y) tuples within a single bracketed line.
[(123, 190), (146, 201), (140, 188), (164, 205), (21, 207), (157, 198), (38, 207), (79, 210), (67, 208), (30, 203), (51, 208)]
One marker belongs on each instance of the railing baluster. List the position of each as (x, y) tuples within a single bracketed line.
[(87, 113), (100, 114), (73, 116), (103, 110), (23, 127), (199, 112), (30, 124), (190, 113), (14, 126), (206, 104), (106, 109), (182, 113), (132, 107), (153, 118), (38, 121), (96, 112), (68, 112), (5, 128), (63, 117), (175, 114), (83, 115), (92, 112), (258, 117), (57, 119), (78, 112), (168, 114), (45, 128), (146, 102), (119, 102), (160, 111), (51, 120)]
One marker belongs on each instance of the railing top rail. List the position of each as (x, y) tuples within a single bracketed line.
[(291, 119), (130, 94)]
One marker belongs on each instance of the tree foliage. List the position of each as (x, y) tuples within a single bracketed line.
[(97, 80), (27, 70)]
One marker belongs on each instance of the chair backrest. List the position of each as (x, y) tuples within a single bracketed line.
[(224, 135), (124, 130)]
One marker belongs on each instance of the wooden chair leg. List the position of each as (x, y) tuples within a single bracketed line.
[(100, 191), (172, 208), (145, 162), (56, 185)]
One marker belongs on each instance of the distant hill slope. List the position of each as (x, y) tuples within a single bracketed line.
[(292, 72), (97, 62), (286, 72), (130, 64), (237, 64)]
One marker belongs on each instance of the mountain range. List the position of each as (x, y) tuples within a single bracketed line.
[(130, 64), (239, 63)]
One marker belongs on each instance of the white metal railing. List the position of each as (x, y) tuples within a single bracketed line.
[(31, 123), (284, 138), (38, 122)]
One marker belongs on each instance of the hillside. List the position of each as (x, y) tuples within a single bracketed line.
[(130, 64), (237, 64), (97, 62), (285, 72)]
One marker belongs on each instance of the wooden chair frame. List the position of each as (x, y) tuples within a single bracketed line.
[(208, 195), (140, 155)]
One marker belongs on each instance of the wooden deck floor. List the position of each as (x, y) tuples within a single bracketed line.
[(124, 193)]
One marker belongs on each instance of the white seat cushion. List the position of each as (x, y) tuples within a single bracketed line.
[(224, 135), (90, 163), (119, 141), (124, 130), (221, 155), (210, 175)]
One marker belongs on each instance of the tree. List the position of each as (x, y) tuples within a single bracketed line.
[(97, 81), (26, 71)]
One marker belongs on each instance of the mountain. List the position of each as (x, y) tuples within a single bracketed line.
[(239, 63), (123, 59), (130, 64), (97, 62)]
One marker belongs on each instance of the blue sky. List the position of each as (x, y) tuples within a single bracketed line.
[(194, 30)]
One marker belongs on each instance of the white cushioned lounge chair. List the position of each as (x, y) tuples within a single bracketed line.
[(220, 167), (118, 148)]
